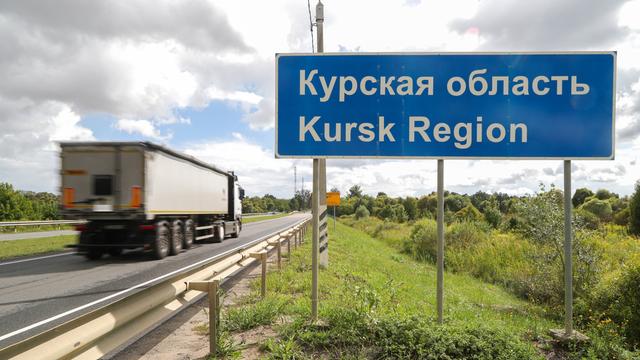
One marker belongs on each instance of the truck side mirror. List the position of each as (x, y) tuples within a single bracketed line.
[(241, 194)]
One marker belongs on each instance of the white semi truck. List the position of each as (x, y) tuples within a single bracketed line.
[(142, 195)]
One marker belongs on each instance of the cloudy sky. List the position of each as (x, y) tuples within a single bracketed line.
[(198, 76)]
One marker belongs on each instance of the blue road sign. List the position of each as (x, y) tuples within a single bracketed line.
[(450, 105)]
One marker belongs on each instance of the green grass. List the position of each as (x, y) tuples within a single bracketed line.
[(251, 219), (13, 248), (369, 276), (28, 229)]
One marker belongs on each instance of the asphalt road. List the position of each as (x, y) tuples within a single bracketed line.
[(36, 235), (34, 290)]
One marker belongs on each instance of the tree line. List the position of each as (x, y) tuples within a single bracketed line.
[(18, 205), (497, 209)]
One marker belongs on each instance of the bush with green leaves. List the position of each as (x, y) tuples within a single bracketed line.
[(362, 212), (468, 213), (619, 300), (600, 208), (634, 211), (622, 217)]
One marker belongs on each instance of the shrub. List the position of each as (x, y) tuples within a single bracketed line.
[(600, 208), (604, 194), (622, 217), (580, 196), (362, 212), (588, 219), (620, 301), (468, 213), (634, 211), (492, 214), (422, 241)]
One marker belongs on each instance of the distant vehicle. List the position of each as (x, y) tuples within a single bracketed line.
[(139, 194)]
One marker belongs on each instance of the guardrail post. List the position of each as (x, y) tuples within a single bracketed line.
[(210, 287), (289, 245), (262, 256), (279, 251)]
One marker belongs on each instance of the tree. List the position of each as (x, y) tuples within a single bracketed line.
[(580, 196), (634, 211), (455, 202), (468, 213), (355, 191), (478, 199), (600, 208), (362, 212), (492, 213), (604, 194), (411, 207)]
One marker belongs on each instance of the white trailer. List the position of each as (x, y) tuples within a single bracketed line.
[(139, 194)]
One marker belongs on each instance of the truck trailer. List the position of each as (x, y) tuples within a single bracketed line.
[(143, 195)]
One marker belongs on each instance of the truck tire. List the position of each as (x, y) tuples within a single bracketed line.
[(177, 237), (189, 234), (162, 241), (236, 233), (218, 233), (92, 253)]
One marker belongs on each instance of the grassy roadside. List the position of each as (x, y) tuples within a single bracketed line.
[(251, 219), (13, 248), (29, 229), (378, 303)]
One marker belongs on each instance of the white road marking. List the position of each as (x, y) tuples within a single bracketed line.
[(35, 258), (69, 312)]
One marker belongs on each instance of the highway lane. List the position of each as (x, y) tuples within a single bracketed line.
[(33, 291)]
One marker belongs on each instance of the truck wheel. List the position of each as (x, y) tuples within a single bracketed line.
[(237, 232), (177, 237), (189, 234), (161, 242), (218, 233)]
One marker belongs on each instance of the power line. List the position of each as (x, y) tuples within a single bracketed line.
[(311, 26)]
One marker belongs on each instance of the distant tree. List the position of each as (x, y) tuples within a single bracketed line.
[(604, 194), (492, 213), (334, 189), (381, 194), (362, 212), (634, 211), (411, 207), (355, 191), (600, 208), (580, 196), (478, 199), (468, 213), (455, 202), (622, 217)]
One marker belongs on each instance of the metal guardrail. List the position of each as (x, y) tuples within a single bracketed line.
[(41, 223), (97, 333)]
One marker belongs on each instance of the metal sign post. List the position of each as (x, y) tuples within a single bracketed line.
[(440, 256), (315, 205), (568, 261)]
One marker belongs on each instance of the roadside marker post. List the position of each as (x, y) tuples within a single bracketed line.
[(211, 288)]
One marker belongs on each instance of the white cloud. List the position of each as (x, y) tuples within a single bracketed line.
[(142, 127)]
